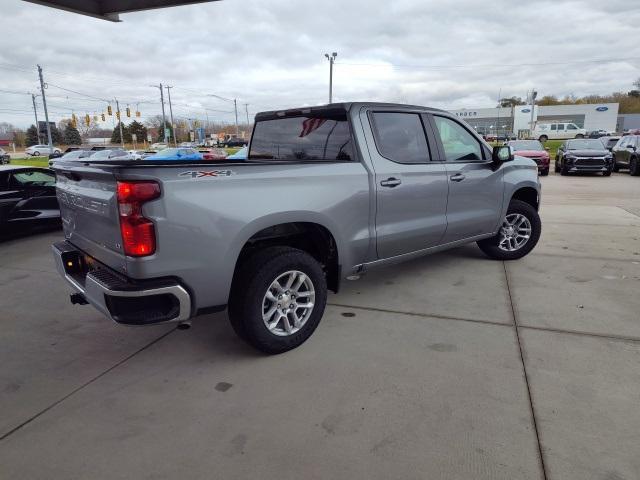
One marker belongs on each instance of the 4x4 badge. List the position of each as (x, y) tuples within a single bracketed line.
[(195, 174)]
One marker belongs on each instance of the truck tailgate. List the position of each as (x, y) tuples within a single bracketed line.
[(89, 211)]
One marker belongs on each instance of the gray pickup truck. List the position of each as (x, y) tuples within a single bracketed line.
[(326, 193)]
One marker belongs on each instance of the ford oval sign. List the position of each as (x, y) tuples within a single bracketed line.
[(602, 109), (525, 110)]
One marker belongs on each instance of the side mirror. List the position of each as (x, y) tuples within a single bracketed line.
[(501, 154)]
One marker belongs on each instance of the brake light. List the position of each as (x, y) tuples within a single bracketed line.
[(138, 232)]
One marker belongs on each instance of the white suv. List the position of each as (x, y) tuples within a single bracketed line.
[(558, 131), (37, 150)]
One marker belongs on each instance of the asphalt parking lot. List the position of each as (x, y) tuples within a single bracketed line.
[(452, 367)]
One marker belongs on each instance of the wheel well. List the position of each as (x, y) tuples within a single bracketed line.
[(312, 238), (528, 195)]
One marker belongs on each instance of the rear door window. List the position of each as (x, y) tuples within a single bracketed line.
[(400, 137), (311, 138), (561, 126), (554, 127)]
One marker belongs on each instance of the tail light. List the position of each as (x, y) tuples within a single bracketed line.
[(138, 232)]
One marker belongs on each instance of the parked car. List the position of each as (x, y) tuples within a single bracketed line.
[(557, 131), (72, 155), (534, 150), (137, 154), (158, 146), (239, 155), (177, 240), (109, 154), (4, 157), (188, 145), (609, 142), (176, 154), (213, 153), (235, 142), (598, 134), (27, 199), (626, 154), (37, 150), (583, 155)]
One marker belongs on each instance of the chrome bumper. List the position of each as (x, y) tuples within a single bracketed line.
[(118, 298)]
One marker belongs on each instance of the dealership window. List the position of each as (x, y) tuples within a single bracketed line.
[(400, 137), (458, 143), (313, 138)]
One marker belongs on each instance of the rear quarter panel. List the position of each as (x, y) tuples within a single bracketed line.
[(202, 222)]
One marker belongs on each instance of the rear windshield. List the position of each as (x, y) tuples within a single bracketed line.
[(313, 138)]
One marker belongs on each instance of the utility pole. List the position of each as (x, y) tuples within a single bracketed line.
[(331, 59), (534, 94), (164, 122), (246, 109), (173, 127), (35, 111), (46, 112), (235, 107), (119, 122)]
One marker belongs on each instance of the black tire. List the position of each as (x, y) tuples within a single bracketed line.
[(634, 167), (607, 173), (36, 154), (556, 168), (543, 138), (564, 171), (250, 284), (579, 135), (544, 172), (490, 246), (616, 167)]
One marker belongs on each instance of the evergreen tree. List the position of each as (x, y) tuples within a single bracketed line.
[(32, 136), (115, 136), (72, 135), (56, 136), (138, 129)]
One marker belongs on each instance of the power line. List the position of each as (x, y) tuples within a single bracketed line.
[(489, 65)]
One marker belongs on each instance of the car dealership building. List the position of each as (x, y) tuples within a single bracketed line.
[(602, 116)]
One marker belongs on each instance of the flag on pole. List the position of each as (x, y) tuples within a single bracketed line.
[(311, 124)]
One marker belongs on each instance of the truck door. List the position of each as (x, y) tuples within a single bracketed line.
[(411, 189), (475, 187)]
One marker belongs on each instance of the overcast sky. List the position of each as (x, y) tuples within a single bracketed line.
[(269, 54)]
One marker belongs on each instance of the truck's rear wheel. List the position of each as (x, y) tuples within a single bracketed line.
[(518, 235), (277, 299)]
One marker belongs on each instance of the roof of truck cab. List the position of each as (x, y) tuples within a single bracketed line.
[(338, 108)]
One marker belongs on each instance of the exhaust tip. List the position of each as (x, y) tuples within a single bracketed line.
[(184, 326)]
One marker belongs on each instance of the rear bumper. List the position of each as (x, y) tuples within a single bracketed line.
[(117, 297)]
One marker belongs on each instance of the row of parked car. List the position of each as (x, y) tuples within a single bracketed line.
[(604, 155)]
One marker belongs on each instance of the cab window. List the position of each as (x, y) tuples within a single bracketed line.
[(31, 178), (571, 126), (400, 137), (458, 143)]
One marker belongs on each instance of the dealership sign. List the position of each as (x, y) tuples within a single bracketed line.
[(467, 114), (602, 109), (525, 110)]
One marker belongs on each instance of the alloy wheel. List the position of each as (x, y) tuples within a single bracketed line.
[(288, 303), (515, 232)]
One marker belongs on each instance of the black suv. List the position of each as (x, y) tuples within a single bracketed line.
[(583, 155), (626, 154)]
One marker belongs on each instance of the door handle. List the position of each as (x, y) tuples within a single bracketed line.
[(458, 177), (391, 182)]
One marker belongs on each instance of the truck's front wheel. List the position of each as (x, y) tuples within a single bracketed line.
[(518, 235), (277, 299)]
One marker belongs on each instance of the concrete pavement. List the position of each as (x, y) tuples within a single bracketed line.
[(452, 367)]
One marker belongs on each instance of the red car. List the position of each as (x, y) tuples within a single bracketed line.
[(534, 150), (213, 154)]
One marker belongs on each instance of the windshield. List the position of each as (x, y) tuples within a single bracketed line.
[(584, 144), (526, 145), (305, 138)]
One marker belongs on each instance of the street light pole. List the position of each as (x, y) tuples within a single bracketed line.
[(35, 111), (164, 122), (331, 59), (534, 94), (173, 127), (46, 112), (246, 109)]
